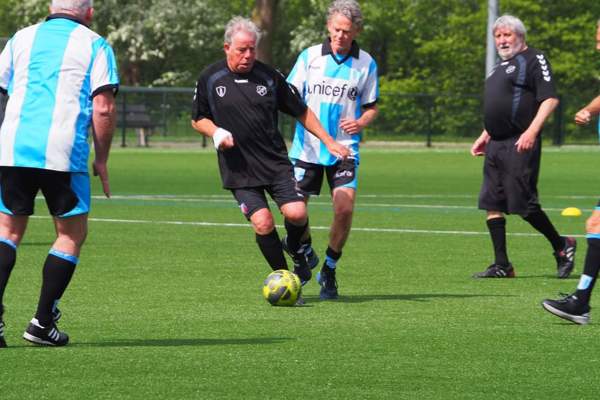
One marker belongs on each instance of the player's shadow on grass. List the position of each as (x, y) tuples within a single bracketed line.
[(402, 297), (181, 342), (548, 276)]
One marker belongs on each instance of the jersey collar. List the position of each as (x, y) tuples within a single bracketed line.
[(65, 16), (354, 51)]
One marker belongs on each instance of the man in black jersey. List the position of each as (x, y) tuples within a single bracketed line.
[(519, 97), (236, 103), (575, 307)]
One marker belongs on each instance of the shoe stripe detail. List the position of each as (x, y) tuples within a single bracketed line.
[(35, 339), (578, 319)]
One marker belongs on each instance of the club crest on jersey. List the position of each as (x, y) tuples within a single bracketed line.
[(260, 89), (352, 92), (221, 90), (510, 69)]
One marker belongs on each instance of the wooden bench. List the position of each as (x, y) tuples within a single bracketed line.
[(130, 115)]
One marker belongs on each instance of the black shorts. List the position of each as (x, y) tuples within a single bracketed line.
[(66, 193), (252, 199), (510, 178), (310, 176)]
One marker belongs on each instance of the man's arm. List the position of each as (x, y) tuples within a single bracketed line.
[(103, 123), (222, 138), (310, 121), (353, 126), (584, 116), (478, 148), (527, 138)]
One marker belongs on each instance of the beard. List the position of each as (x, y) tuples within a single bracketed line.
[(511, 50)]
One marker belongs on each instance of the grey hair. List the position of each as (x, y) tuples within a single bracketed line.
[(240, 24), (72, 5), (513, 23), (349, 9)]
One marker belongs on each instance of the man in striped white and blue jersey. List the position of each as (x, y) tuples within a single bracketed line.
[(338, 81), (575, 307), (61, 77)]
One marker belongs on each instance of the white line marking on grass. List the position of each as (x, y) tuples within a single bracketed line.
[(229, 200), (320, 228), (359, 196)]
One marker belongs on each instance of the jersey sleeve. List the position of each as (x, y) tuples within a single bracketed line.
[(6, 67), (370, 92), (288, 98), (200, 106), (542, 78), (104, 74), (297, 76)]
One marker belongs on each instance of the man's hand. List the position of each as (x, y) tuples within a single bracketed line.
[(478, 148), (350, 125), (101, 171), (526, 141), (583, 117), (338, 150), (223, 139)]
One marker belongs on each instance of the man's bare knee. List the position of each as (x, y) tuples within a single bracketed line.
[(262, 222)]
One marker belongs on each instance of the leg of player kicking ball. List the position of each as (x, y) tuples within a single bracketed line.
[(343, 209), (267, 239), (296, 224)]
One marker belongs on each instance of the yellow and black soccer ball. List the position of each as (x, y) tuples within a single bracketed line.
[(282, 288)]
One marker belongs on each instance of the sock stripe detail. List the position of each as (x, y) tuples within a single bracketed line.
[(8, 242), (67, 257)]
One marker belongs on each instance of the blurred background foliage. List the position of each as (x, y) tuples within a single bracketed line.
[(430, 53)]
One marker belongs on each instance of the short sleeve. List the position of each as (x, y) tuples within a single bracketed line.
[(542, 78), (289, 100), (297, 76), (104, 74), (370, 92), (200, 106), (6, 67)]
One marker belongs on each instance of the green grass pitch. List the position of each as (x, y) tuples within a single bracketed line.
[(166, 301)]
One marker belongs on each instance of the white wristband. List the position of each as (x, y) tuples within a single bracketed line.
[(220, 135)]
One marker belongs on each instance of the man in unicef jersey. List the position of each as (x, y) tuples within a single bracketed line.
[(338, 81)]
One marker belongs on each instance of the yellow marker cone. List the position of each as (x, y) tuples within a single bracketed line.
[(571, 212)]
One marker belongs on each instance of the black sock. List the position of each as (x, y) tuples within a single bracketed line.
[(294, 235), (590, 271), (497, 228), (57, 274), (8, 256), (270, 247), (540, 221), (332, 257)]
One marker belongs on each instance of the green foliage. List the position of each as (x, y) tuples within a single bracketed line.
[(421, 46)]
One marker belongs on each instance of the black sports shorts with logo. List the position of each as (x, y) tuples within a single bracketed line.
[(66, 193), (252, 199), (310, 176), (510, 178)]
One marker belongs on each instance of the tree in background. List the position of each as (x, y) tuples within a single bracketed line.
[(422, 47), (263, 15)]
